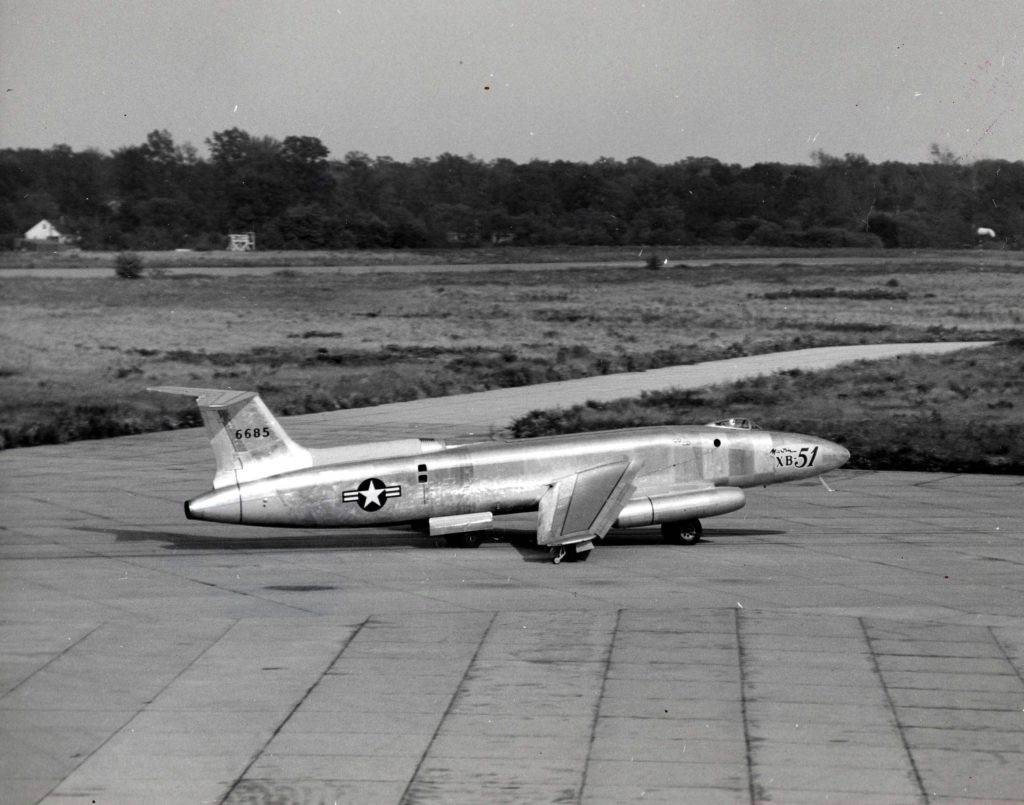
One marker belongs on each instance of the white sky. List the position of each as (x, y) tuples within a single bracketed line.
[(744, 81)]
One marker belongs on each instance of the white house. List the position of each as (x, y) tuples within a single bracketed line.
[(44, 231)]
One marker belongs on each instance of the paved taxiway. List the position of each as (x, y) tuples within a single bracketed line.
[(858, 646)]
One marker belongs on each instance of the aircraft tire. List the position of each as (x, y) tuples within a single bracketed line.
[(685, 532)]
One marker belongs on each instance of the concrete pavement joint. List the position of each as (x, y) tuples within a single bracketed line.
[(833, 553), (262, 598), (597, 704), (122, 559), (892, 709), (277, 731), (1006, 654), (72, 510), (114, 733), (407, 793), (50, 661), (752, 786), (63, 591)]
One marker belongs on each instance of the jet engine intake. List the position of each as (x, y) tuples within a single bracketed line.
[(681, 506)]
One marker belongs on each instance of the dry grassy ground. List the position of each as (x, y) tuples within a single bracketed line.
[(76, 354)]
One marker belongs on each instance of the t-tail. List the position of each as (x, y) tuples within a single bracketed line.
[(248, 442)]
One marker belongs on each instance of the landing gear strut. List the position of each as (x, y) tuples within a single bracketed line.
[(579, 552), (685, 532)]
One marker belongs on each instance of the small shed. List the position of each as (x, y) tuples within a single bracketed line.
[(45, 232)]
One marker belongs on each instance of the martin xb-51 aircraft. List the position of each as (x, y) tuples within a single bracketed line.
[(580, 485)]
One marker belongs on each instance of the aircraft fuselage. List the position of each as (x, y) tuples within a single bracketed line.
[(699, 467)]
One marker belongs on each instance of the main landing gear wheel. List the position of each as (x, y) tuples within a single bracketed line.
[(470, 539), (686, 532)]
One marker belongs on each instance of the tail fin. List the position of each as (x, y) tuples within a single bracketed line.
[(248, 443)]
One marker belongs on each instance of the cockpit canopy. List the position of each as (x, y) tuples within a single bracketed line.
[(737, 423)]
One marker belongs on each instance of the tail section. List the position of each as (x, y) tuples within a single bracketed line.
[(247, 441)]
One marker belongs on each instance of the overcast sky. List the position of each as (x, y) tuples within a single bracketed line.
[(745, 81)]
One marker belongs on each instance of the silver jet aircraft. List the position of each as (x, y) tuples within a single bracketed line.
[(581, 485)]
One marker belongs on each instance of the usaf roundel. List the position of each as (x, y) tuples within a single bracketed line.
[(371, 494)]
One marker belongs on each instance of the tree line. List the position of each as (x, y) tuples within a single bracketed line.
[(292, 195)]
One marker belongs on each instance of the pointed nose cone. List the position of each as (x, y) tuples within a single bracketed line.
[(218, 506), (796, 455), (833, 455)]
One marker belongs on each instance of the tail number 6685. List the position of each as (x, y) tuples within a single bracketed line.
[(252, 433)]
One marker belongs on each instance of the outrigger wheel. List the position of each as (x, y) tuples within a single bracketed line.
[(580, 552), (684, 532)]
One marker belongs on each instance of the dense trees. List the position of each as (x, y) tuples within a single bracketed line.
[(161, 195)]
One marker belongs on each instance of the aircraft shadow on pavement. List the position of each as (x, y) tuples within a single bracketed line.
[(305, 541), (523, 540), (652, 536), (527, 546)]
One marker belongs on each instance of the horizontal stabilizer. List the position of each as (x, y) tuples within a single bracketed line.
[(207, 398)]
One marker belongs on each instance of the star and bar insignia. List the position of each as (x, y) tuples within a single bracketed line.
[(371, 494)]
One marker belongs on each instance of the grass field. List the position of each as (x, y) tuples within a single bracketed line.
[(76, 354)]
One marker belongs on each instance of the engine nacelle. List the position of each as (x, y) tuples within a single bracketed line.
[(683, 506)]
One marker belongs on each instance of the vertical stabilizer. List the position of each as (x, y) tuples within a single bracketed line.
[(247, 441)]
